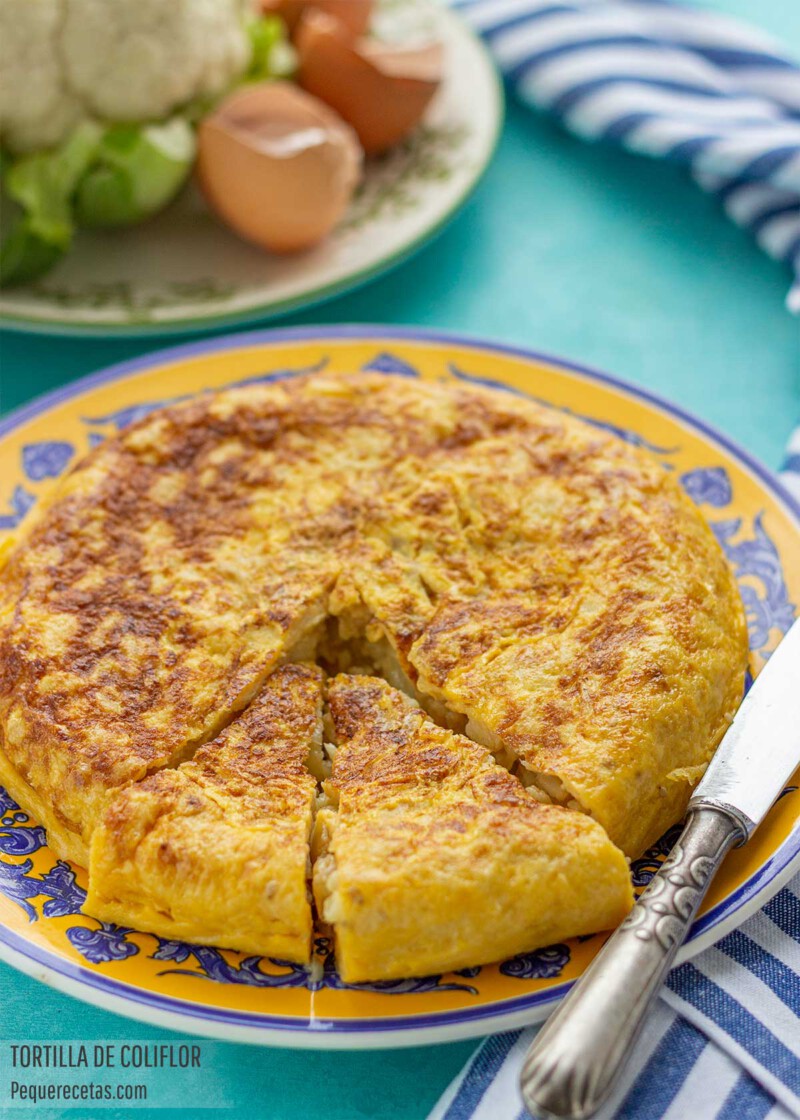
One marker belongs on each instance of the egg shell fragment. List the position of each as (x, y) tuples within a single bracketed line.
[(278, 165), (381, 89)]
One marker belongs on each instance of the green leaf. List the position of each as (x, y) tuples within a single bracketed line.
[(138, 169), (272, 54), (24, 255), (42, 185)]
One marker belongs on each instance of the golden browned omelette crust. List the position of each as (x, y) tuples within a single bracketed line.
[(535, 581), (216, 852), (434, 857)]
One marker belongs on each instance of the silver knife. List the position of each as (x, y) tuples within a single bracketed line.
[(576, 1059)]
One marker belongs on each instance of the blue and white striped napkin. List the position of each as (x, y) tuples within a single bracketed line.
[(669, 81), (724, 1043)]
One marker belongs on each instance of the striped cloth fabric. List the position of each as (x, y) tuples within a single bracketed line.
[(724, 1043), (667, 81)]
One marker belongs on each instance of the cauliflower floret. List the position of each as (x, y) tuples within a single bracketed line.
[(119, 60), (36, 110), (153, 55)]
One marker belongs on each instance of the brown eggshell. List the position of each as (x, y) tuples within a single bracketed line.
[(277, 165), (354, 14), (382, 90)]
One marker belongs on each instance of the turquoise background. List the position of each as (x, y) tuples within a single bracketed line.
[(586, 252)]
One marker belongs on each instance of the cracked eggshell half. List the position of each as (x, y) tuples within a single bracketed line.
[(381, 89), (277, 165)]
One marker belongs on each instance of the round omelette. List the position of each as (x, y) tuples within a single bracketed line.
[(558, 615)]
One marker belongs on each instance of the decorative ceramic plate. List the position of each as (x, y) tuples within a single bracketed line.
[(208, 991), (184, 270)]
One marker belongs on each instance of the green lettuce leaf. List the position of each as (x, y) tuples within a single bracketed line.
[(136, 171), (273, 56), (42, 186)]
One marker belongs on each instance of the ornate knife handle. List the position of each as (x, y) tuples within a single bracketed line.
[(575, 1060)]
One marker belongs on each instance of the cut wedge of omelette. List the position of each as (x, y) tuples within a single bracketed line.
[(216, 852), (532, 581), (432, 856)]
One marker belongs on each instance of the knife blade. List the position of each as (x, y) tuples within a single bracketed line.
[(577, 1058), (761, 749)]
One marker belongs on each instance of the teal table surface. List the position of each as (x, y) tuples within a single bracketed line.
[(580, 251)]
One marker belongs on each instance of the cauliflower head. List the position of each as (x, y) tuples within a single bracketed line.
[(62, 61)]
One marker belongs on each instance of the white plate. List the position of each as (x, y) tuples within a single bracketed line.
[(185, 271)]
